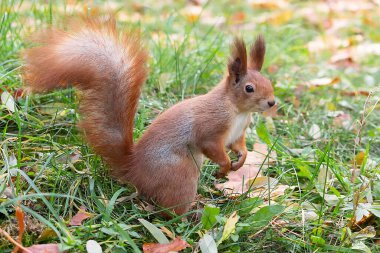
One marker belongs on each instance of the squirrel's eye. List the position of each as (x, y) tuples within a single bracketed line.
[(249, 88)]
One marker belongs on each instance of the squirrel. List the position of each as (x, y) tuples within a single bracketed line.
[(110, 69)]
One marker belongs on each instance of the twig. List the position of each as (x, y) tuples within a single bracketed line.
[(14, 241)]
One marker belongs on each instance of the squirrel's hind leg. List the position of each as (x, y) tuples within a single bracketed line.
[(179, 191)]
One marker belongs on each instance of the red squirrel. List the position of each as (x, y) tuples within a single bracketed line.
[(110, 69)]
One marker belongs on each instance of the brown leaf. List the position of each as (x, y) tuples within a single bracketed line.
[(272, 69), (268, 4), (43, 248), (343, 59), (343, 120), (77, 219), (167, 232), (243, 179), (355, 93), (176, 245), (359, 158), (238, 17), (326, 81)]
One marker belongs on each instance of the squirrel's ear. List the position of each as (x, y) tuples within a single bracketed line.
[(257, 54), (237, 64)]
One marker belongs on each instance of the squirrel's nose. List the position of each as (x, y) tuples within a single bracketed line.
[(271, 103)]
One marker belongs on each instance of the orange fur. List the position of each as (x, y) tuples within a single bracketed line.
[(110, 68)]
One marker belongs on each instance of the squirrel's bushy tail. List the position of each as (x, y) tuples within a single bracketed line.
[(108, 67)]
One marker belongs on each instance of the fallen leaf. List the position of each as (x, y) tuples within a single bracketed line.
[(208, 244), (268, 4), (310, 215), (359, 158), (331, 199), (8, 100), (192, 12), (355, 93), (279, 18), (167, 232), (242, 180), (272, 69), (238, 17), (81, 215), (361, 247), (176, 245), (93, 247), (315, 132), (44, 248), (343, 120), (343, 59), (46, 235), (367, 232), (326, 81), (229, 227), (51, 108), (362, 212)]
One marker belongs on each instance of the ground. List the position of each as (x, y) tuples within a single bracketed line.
[(323, 60)]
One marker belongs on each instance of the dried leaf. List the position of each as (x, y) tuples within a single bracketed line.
[(359, 158), (310, 215), (238, 17), (167, 232), (242, 180), (81, 215), (46, 235), (208, 244), (343, 120), (268, 4), (229, 227), (315, 132), (176, 245), (367, 232), (93, 247), (192, 12), (44, 248), (8, 101), (326, 81), (355, 93)]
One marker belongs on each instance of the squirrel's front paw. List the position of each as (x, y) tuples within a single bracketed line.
[(219, 175), (240, 162), (236, 165)]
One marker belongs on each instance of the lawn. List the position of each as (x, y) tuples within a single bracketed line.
[(319, 191)]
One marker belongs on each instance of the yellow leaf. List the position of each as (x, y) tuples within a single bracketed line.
[(229, 227), (280, 17), (359, 158), (330, 106)]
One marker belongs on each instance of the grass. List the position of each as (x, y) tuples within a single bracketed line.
[(40, 144)]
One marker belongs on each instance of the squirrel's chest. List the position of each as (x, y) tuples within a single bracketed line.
[(237, 128)]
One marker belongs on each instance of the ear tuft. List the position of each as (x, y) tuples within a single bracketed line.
[(237, 64), (257, 53)]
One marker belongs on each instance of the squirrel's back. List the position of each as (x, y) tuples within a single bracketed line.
[(108, 67)]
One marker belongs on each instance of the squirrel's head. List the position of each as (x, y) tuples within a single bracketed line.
[(249, 89)]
